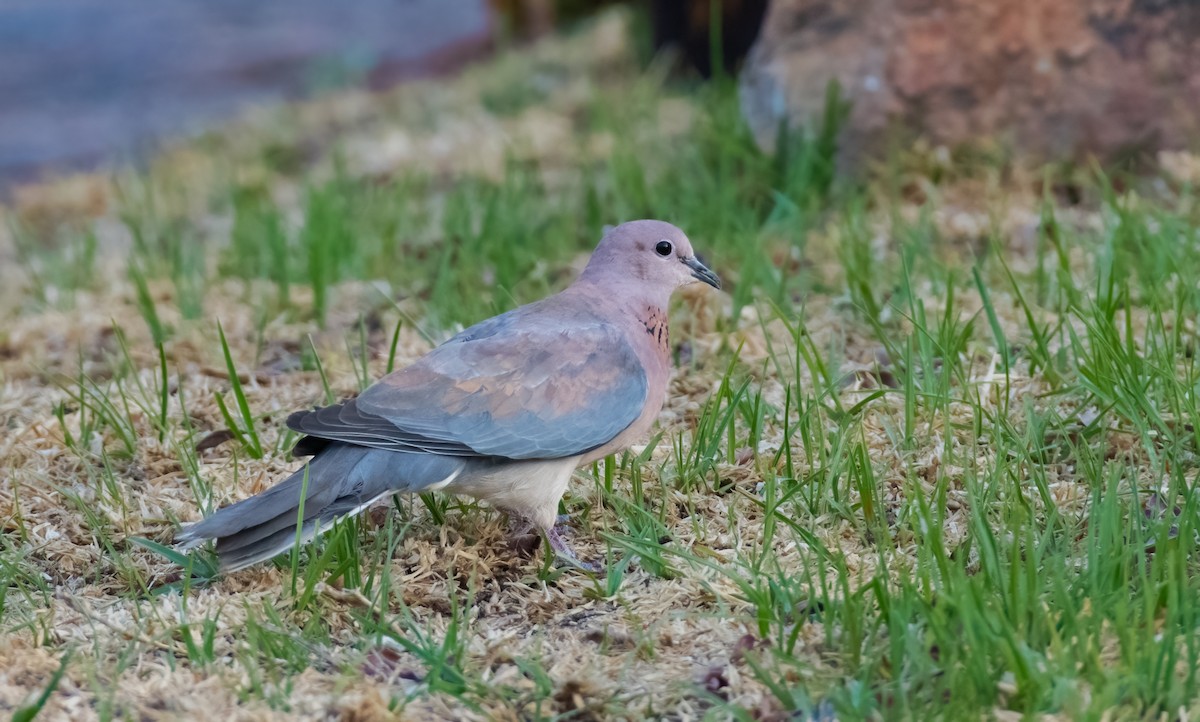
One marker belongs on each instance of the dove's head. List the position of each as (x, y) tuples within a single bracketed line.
[(650, 253)]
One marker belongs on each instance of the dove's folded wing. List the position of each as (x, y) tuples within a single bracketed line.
[(503, 389)]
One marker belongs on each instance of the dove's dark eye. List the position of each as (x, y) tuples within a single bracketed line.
[(663, 248)]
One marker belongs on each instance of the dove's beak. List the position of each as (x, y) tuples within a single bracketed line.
[(701, 272)]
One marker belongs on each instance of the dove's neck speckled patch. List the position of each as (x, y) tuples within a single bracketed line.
[(655, 322)]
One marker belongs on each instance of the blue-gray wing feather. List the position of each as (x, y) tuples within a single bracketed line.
[(500, 389)]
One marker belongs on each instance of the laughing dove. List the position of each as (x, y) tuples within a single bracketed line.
[(504, 411)]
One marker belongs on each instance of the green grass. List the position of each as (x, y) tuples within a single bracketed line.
[(994, 511)]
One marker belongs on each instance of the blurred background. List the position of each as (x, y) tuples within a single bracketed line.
[(88, 79), (84, 81)]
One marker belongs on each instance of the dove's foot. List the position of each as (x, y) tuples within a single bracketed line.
[(564, 553), (523, 538)]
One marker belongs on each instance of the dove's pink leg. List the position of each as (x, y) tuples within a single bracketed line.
[(563, 551)]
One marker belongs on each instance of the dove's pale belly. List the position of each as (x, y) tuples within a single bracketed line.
[(529, 488)]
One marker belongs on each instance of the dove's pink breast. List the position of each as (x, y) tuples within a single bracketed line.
[(650, 339)]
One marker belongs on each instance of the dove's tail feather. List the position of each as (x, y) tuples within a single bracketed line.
[(340, 481)]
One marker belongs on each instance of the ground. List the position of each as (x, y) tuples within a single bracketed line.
[(930, 455)]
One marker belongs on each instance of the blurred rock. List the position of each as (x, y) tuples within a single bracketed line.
[(1052, 79)]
